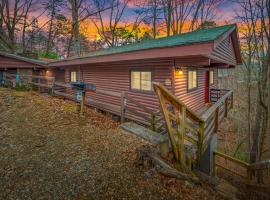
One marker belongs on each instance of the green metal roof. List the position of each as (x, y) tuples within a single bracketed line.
[(30, 60), (197, 36)]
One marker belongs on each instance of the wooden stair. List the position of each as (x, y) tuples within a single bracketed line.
[(227, 190)]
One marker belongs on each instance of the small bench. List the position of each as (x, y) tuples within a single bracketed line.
[(162, 141)]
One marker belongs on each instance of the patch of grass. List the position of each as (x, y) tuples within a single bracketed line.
[(23, 87), (20, 93), (242, 155), (66, 107)]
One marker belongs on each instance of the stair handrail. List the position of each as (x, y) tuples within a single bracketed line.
[(177, 122), (250, 169), (177, 102)]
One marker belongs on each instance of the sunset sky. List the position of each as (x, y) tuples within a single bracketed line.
[(225, 15)]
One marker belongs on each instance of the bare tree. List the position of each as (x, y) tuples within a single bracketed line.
[(75, 5), (254, 17), (108, 31), (204, 10), (150, 11), (181, 12), (167, 6), (12, 12)]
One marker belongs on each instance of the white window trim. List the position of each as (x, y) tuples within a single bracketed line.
[(196, 86), (141, 90)]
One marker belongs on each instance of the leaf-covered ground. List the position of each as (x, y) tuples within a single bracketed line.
[(47, 151)]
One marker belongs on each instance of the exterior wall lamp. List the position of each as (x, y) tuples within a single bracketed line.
[(179, 70)]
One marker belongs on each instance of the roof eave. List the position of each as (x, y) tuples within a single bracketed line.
[(32, 61), (166, 52)]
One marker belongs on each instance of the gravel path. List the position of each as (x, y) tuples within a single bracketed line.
[(48, 152)]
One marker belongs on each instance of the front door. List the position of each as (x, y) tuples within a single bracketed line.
[(206, 87)]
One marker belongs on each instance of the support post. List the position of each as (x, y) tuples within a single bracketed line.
[(216, 119), (39, 85), (248, 181), (53, 82), (181, 136), (232, 101), (268, 179), (200, 141), (226, 108), (82, 103), (214, 165), (123, 107)]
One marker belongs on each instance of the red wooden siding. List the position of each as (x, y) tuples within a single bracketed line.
[(225, 52), (116, 78), (194, 99), (6, 62)]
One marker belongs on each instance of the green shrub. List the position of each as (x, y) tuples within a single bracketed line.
[(23, 87), (50, 55)]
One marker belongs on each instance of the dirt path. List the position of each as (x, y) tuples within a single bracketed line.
[(49, 152)]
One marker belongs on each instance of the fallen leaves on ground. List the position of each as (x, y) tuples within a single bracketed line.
[(48, 151)]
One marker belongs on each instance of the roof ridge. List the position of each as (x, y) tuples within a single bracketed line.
[(156, 39), (189, 38)]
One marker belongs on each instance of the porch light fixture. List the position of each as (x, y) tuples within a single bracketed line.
[(179, 70)]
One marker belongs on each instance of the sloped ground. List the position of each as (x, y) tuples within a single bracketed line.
[(48, 152)]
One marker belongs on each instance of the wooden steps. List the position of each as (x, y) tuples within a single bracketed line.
[(147, 134), (227, 190), (162, 141)]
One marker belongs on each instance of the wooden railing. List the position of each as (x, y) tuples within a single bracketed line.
[(187, 127), (40, 82), (214, 115), (255, 177), (216, 94), (131, 109)]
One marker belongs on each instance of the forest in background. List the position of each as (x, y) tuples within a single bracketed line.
[(56, 29)]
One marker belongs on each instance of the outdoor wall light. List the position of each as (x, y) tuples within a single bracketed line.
[(179, 70)]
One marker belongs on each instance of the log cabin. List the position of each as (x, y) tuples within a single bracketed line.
[(14, 64), (186, 64)]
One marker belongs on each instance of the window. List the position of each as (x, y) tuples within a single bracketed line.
[(73, 76), (141, 80), (192, 79), (211, 77)]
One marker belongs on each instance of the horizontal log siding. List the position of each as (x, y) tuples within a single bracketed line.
[(6, 62), (116, 78), (194, 99), (225, 51)]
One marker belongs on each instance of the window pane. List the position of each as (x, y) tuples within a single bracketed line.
[(146, 76), (146, 85), (73, 76), (194, 79), (135, 80), (189, 79), (146, 81), (211, 76)]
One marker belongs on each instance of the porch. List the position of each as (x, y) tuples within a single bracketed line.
[(128, 108)]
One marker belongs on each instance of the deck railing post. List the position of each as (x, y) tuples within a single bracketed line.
[(39, 85), (232, 100), (268, 177), (200, 141), (181, 136), (216, 119), (123, 107), (214, 165), (52, 90), (226, 108)]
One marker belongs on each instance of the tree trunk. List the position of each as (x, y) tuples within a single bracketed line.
[(75, 27)]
